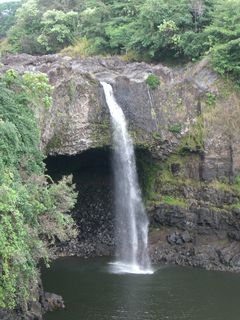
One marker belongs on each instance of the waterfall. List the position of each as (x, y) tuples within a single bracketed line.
[(131, 222)]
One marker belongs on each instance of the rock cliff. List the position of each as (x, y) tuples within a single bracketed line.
[(187, 126)]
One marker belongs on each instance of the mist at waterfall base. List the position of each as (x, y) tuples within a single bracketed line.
[(131, 222)]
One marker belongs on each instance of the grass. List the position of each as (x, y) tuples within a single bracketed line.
[(175, 128), (221, 186), (227, 187), (172, 201)]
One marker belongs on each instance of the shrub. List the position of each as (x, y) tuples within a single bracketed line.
[(81, 48), (31, 210), (211, 99), (193, 141), (131, 56), (152, 81), (175, 128), (226, 59), (5, 47)]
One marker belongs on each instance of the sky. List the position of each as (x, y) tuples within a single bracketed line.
[(2, 1)]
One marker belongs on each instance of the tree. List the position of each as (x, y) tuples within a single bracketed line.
[(198, 8), (62, 5), (7, 16), (157, 28), (119, 26), (38, 31), (224, 38), (92, 25), (22, 36), (58, 29)]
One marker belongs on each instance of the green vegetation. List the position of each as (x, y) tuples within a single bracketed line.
[(32, 207), (166, 183), (224, 36), (7, 16), (222, 185), (156, 135), (156, 30), (211, 99), (166, 173), (152, 81), (148, 173), (37, 32), (155, 176), (57, 29), (172, 201), (175, 128), (237, 184), (193, 141), (79, 49)]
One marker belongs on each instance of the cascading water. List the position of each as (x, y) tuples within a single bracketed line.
[(131, 219)]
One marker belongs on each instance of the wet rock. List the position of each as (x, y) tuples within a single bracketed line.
[(175, 168), (179, 238), (174, 238), (9, 315), (52, 302), (235, 261), (43, 302), (236, 211), (234, 235), (186, 237), (168, 215), (202, 237)]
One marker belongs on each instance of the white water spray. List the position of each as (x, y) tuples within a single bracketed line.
[(131, 219)]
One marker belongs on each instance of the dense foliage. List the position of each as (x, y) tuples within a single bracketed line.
[(175, 30), (31, 206), (7, 16), (224, 35)]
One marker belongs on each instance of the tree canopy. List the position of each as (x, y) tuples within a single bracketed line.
[(156, 30), (7, 16), (224, 36)]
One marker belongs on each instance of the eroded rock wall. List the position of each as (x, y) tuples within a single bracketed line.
[(79, 118), (189, 124)]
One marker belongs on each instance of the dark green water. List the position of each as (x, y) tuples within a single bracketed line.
[(171, 293)]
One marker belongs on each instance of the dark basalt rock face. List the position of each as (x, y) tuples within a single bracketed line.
[(195, 237)]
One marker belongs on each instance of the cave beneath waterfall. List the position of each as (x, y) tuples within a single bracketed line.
[(93, 212)]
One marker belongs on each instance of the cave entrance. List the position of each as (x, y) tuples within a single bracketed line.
[(93, 211), (92, 176)]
